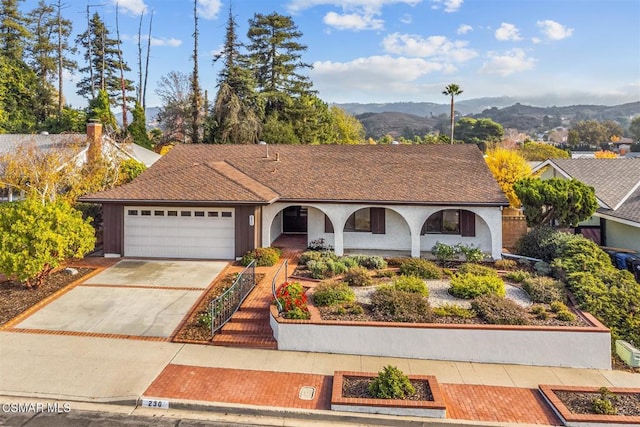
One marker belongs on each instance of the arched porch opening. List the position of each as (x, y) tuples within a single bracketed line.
[(455, 226)]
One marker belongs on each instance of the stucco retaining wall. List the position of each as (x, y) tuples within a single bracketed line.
[(584, 347)]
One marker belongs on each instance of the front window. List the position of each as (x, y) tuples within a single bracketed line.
[(443, 222), (359, 221)]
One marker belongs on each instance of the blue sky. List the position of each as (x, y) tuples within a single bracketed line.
[(587, 51)]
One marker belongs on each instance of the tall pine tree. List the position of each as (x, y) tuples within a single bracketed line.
[(13, 30), (102, 63), (237, 112)]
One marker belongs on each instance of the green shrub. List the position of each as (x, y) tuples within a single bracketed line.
[(604, 403), (420, 268), (444, 253), (389, 304), (471, 253), (204, 319), (542, 268), (545, 290), (539, 311), (325, 268), (349, 262), (391, 383), (411, 284), (307, 256), (332, 293), (499, 311), (264, 257), (557, 306), (579, 254), (506, 264), (470, 286), (613, 297), (477, 269), (565, 316), (357, 276), (370, 262), (541, 242), (517, 276), (454, 310)]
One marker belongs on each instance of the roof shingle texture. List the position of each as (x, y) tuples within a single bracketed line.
[(612, 179), (420, 174)]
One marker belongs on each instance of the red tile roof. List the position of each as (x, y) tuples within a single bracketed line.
[(414, 174)]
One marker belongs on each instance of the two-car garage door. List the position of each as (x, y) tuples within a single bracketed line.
[(162, 232)]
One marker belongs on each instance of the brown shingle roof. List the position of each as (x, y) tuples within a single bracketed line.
[(419, 174)]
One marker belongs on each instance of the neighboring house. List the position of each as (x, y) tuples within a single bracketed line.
[(82, 143), (220, 201), (616, 223)]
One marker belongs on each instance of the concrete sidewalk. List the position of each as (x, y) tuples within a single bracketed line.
[(89, 369)]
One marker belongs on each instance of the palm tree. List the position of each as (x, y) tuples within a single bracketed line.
[(452, 90)]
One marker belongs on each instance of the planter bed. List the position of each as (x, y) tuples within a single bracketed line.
[(572, 405), (428, 401)]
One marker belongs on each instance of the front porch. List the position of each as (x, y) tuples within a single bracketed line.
[(387, 230)]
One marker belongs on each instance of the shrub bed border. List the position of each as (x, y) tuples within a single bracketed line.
[(586, 420), (435, 408)]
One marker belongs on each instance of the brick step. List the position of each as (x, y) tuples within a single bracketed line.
[(248, 328), (250, 315), (230, 340)]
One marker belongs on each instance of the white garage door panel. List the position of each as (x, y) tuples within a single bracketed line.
[(161, 235)]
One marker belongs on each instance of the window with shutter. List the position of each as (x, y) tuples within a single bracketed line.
[(328, 225), (467, 223), (378, 225)]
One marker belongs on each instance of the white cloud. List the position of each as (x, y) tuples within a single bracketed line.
[(536, 40), (464, 29), (352, 21), (378, 76), (162, 41), (508, 32), (510, 62), (432, 46), (208, 9), (448, 5), (373, 6), (133, 7), (406, 19), (554, 30)]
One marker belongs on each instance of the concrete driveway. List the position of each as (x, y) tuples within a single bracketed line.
[(133, 297)]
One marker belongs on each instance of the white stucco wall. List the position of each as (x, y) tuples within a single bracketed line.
[(403, 227), (275, 228), (589, 348), (622, 236)]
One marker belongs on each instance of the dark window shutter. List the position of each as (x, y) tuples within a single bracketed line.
[(328, 226), (378, 221), (467, 223)]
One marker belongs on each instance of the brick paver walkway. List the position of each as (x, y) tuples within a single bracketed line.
[(498, 404), (276, 389), (282, 389)]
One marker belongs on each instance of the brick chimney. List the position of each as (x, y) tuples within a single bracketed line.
[(94, 138)]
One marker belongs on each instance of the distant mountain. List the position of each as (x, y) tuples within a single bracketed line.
[(524, 118), (466, 107)]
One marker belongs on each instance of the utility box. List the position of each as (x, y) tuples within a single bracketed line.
[(628, 353)]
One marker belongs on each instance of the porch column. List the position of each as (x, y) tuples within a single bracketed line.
[(415, 244), (338, 241)]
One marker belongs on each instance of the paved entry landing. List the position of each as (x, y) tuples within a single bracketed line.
[(132, 298)]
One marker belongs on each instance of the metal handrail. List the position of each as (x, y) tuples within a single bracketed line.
[(225, 306), (285, 264)]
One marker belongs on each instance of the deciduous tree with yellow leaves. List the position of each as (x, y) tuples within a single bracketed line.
[(508, 167)]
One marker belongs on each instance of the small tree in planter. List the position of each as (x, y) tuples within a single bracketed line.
[(391, 383)]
